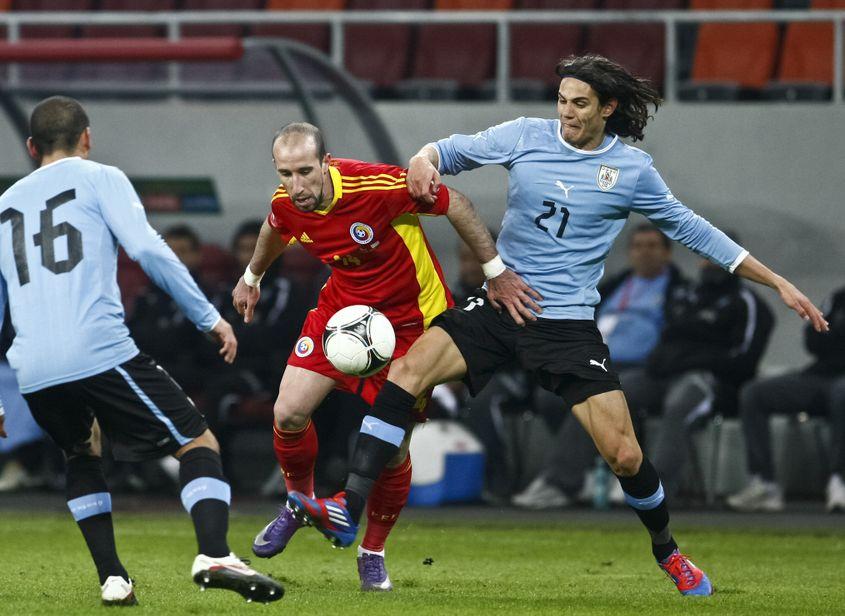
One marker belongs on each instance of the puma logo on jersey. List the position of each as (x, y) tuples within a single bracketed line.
[(601, 365), (564, 188), (304, 239)]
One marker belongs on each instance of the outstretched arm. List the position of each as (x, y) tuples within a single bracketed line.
[(247, 292), (504, 287), (754, 270)]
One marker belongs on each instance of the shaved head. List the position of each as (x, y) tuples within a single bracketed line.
[(57, 123)]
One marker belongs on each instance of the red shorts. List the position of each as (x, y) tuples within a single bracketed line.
[(308, 354)]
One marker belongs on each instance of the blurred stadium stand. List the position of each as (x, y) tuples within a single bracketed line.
[(779, 59)]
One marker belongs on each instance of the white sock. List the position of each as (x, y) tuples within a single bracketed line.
[(362, 550)]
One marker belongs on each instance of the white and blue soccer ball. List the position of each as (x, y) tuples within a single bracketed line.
[(359, 340)]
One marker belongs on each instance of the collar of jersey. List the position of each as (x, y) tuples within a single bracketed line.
[(337, 185), (56, 162), (585, 152)]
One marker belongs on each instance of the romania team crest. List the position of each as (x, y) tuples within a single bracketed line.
[(607, 177), (362, 233), (304, 347)]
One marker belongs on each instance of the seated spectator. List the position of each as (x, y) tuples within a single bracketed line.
[(163, 331), (817, 389), (712, 343), (242, 395), (630, 317)]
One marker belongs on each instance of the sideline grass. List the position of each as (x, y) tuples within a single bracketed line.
[(544, 568)]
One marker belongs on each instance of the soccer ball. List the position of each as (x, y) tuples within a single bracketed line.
[(359, 340)]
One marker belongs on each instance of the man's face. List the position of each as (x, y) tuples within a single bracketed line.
[(304, 176), (648, 254), (582, 117), (244, 247), (184, 248)]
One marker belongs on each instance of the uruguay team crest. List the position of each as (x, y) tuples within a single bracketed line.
[(304, 347), (362, 233), (607, 177)]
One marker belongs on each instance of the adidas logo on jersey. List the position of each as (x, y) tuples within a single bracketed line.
[(304, 239)]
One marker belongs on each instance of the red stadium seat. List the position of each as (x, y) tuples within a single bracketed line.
[(730, 5), (458, 58), (378, 53), (388, 5), (535, 51), (644, 5), (638, 47), (317, 36), (218, 5), (805, 70), (50, 31), (130, 31), (306, 5), (732, 60), (473, 5), (554, 5)]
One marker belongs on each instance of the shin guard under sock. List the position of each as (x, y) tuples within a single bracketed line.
[(206, 496), (644, 494), (381, 435), (296, 451), (388, 497), (89, 502)]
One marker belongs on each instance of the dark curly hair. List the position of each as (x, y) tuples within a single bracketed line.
[(611, 80)]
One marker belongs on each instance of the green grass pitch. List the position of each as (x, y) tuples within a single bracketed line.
[(478, 568)]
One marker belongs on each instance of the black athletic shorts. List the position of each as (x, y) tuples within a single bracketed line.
[(566, 356), (139, 407)]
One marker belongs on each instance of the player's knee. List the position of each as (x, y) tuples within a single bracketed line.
[(289, 417), (409, 373), (206, 439), (626, 460)]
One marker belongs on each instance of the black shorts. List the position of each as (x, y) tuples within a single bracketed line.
[(141, 410), (566, 356)]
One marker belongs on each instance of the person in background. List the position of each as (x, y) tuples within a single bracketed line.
[(163, 331), (630, 317), (818, 388), (713, 341)]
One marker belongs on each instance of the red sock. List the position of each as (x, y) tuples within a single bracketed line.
[(296, 451), (389, 495)]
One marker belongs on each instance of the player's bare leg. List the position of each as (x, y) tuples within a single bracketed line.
[(432, 359), (389, 495), (607, 420), (295, 443)]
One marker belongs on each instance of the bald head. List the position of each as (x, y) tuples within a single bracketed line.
[(56, 124), (300, 133)]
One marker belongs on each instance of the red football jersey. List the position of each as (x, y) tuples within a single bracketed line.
[(372, 238)]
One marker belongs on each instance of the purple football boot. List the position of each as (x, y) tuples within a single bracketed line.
[(274, 537), (372, 573)]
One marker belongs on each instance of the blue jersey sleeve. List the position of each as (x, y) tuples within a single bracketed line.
[(494, 146), (653, 199), (122, 210)]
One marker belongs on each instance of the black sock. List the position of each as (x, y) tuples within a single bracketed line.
[(644, 493), (378, 442), (206, 496), (89, 502)]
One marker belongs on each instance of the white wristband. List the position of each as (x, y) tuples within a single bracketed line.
[(250, 279), (493, 267)]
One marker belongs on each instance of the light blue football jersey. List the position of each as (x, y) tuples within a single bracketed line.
[(60, 227), (566, 206)]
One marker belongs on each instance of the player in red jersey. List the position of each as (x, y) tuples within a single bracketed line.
[(358, 218)]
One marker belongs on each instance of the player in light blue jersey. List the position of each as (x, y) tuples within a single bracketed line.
[(572, 185), (80, 372)]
